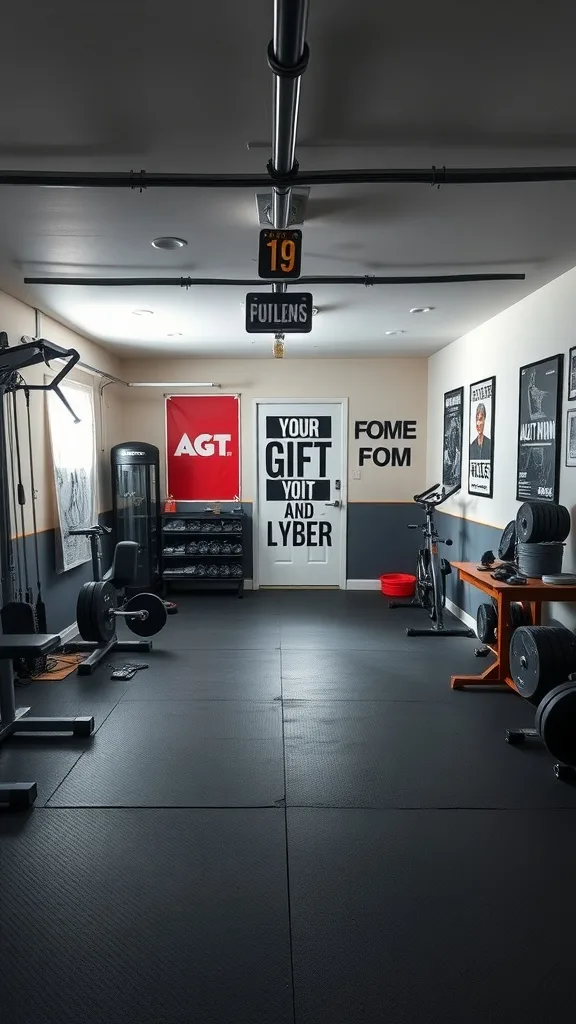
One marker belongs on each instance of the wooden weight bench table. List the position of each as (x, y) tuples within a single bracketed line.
[(534, 592)]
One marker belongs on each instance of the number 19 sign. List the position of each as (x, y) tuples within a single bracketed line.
[(279, 254)]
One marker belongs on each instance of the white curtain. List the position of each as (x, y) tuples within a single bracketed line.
[(74, 458)]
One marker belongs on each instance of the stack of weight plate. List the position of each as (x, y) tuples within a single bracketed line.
[(541, 529)]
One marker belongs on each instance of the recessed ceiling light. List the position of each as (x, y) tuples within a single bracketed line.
[(422, 309), (175, 334), (142, 312), (395, 332), (168, 242)]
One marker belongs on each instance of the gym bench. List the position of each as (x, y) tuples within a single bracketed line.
[(15, 720)]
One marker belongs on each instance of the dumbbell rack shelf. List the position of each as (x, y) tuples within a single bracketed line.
[(534, 592), (171, 576)]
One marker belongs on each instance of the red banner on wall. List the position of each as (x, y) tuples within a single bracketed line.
[(203, 447)]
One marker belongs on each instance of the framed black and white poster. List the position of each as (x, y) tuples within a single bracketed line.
[(539, 430), (481, 437), (572, 375), (452, 439), (571, 437)]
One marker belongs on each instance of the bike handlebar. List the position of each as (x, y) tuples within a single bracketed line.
[(435, 497)]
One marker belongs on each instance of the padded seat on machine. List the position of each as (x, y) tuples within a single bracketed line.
[(124, 568), (26, 645)]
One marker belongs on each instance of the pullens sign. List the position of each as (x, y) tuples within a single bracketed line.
[(280, 313)]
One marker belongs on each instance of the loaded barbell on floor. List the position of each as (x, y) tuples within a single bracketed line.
[(97, 611)]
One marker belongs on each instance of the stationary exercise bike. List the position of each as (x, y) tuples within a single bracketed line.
[(431, 569)]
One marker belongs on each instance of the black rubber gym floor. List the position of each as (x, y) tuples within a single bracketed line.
[(288, 817)]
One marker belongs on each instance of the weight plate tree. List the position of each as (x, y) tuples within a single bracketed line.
[(541, 657), (507, 545), (556, 723), (539, 521)]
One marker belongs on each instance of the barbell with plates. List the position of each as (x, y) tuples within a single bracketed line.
[(97, 611), (540, 521), (541, 657), (487, 620), (556, 723)]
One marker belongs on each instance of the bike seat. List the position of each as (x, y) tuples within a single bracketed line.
[(89, 531)]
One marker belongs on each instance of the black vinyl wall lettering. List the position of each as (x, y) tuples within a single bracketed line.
[(377, 430), (296, 460)]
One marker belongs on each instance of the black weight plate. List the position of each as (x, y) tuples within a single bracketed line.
[(102, 604), (83, 616), (524, 662), (540, 658), (507, 544), (486, 622), (540, 710), (562, 523), (557, 724), (517, 617), (563, 643), (157, 614), (532, 522)]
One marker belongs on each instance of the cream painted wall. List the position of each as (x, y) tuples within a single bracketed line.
[(541, 325), (18, 319), (382, 389)]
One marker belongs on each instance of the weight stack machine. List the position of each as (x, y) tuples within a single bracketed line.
[(136, 505)]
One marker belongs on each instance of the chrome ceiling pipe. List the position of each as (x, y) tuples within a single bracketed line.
[(140, 181), (288, 59), (204, 282)]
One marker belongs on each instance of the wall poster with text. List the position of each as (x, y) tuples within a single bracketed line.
[(481, 437), (203, 447), (452, 439), (539, 430)]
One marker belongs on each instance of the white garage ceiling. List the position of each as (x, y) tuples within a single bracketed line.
[(185, 87)]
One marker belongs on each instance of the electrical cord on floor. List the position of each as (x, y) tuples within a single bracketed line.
[(55, 664)]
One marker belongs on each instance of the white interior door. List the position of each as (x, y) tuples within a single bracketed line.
[(300, 488)]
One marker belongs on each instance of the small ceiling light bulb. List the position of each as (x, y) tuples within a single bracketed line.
[(422, 309), (142, 312), (168, 242)]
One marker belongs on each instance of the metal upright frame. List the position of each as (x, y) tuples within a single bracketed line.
[(15, 720)]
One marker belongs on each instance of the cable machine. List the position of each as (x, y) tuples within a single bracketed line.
[(26, 644)]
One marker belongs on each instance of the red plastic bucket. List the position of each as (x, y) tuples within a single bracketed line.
[(397, 584)]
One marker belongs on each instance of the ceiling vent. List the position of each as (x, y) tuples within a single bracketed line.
[(297, 213)]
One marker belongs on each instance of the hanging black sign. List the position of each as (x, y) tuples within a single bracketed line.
[(279, 254), (452, 440), (539, 429), (281, 313)]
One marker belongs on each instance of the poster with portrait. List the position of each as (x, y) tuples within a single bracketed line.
[(481, 438), (539, 430), (452, 440)]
